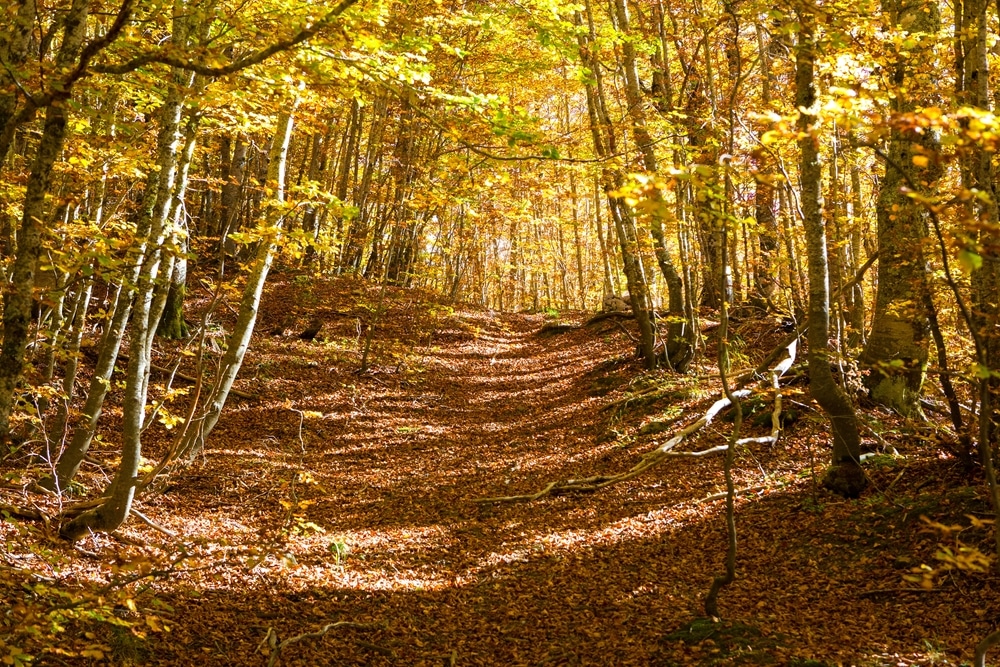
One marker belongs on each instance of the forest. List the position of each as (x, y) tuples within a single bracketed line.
[(523, 332)]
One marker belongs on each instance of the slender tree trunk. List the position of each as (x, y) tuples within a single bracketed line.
[(147, 308), (845, 475), (172, 324), (17, 298), (239, 339), (604, 145)]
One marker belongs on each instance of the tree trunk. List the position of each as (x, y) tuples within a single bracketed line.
[(146, 311), (172, 324), (239, 340), (679, 349), (897, 350), (845, 475), (604, 145), (18, 294), (15, 41)]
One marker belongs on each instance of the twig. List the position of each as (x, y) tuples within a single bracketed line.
[(885, 591), (738, 492), (271, 638), (183, 376), (152, 524)]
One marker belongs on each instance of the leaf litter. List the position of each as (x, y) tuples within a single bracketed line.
[(347, 498)]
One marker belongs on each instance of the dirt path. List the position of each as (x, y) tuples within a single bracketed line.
[(389, 472), (340, 497)]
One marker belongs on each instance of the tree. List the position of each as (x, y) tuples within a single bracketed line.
[(844, 475), (897, 349)]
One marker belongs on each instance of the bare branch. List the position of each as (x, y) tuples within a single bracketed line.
[(162, 57)]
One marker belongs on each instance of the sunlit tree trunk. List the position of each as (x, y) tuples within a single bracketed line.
[(845, 475), (897, 349), (171, 323), (239, 340), (604, 145), (679, 335)]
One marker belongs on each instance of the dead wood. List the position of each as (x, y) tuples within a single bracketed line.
[(30, 514), (152, 524), (312, 330), (616, 314), (776, 353), (738, 492), (648, 460), (665, 451), (276, 647), (555, 328)]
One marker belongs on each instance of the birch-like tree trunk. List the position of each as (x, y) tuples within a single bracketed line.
[(844, 475), (239, 340)]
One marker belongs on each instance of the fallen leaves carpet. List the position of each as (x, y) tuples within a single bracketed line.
[(340, 496)]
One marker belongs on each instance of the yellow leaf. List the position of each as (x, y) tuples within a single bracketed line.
[(921, 160), (155, 624)]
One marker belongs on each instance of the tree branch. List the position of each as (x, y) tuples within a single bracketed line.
[(164, 58)]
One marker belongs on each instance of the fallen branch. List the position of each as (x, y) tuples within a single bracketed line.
[(665, 451), (617, 314), (648, 460), (775, 354), (271, 638), (21, 512), (738, 492), (152, 524), (554, 328)]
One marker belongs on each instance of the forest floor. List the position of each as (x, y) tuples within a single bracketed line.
[(342, 497)]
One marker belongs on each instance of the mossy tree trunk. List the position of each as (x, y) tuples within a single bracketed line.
[(18, 294), (897, 349)]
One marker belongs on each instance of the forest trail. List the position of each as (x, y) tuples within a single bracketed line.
[(351, 498), (347, 497), (454, 407)]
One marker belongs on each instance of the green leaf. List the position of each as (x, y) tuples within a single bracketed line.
[(970, 260)]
